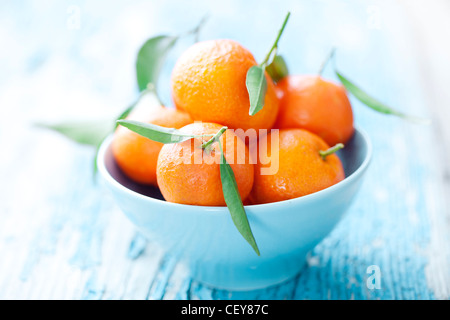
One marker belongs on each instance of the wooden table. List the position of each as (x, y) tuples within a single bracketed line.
[(61, 235)]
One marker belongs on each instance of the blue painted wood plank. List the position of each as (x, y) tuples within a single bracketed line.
[(52, 217)]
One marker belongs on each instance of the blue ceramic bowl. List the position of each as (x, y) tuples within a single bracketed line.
[(206, 238)]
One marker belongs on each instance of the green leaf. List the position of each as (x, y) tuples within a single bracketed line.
[(373, 103), (256, 81), (277, 69), (151, 58), (126, 112), (256, 86), (234, 202), (156, 133), (85, 132)]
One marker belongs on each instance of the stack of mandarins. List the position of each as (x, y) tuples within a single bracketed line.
[(313, 117)]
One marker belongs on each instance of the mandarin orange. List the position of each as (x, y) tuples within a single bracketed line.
[(208, 81), (317, 105), (188, 174), (297, 168)]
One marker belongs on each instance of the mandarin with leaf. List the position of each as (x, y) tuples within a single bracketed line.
[(187, 173), (301, 163), (136, 155), (209, 82)]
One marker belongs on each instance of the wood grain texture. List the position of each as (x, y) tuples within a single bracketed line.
[(61, 235)]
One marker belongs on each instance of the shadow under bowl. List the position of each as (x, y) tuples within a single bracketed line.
[(206, 238)]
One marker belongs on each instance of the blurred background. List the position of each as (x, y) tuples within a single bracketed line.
[(62, 237)]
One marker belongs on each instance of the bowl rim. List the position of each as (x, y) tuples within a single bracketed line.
[(254, 207)]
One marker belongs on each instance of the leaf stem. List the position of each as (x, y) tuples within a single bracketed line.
[(195, 31), (215, 138), (150, 89), (275, 45), (327, 59), (331, 150)]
